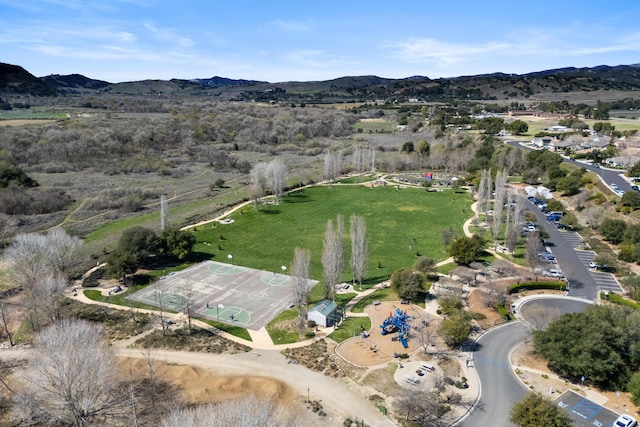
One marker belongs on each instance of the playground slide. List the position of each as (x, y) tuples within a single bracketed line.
[(404, 342)]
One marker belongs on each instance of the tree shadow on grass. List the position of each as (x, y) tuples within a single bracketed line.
[(298, 197)]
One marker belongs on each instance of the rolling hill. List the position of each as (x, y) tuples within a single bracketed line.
[(550, 83)]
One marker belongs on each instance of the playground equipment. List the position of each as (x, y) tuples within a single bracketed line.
[(397, 321)]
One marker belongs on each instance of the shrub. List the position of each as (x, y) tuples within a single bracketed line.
[(311, 324), (560, 286)]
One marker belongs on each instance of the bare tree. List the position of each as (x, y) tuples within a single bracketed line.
[(163, 213), (424, 407), (300, 273), (332, 165), (276, 177), (533, 248), (426, 336), (187, 307), (359, 248), (594, 215), (250, 411), (72, 378), (333, 256), (5, 324), (498, 204), (48, 290), (65, 251), (258, 181), (541, 316)]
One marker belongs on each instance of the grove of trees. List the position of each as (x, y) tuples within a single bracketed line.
[(602, 344)]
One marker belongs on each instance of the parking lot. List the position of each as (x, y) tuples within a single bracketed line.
[(584, 412), (605, 281)]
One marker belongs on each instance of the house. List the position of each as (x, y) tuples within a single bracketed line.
[(558, 128), (325, 313), (562, 144), (624, 161), (541, 142)]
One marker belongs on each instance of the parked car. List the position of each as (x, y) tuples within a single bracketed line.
[(634, 187), (625, 421), (593, 264)]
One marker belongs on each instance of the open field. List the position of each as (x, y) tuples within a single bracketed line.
[(400, 224)]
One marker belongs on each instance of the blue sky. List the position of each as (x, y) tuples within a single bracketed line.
[(124, 40)]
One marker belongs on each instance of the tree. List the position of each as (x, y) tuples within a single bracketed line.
[(300, 272), (426, 408), (65, 251), (455, 329), (424, 265), (407, 284), (164, 221), (177, 243), (594, 215), (276, 177), (447, 235), (532, 251), (332, 165), (120, 263), (498, 205), (140, 242), (258, 181), (634, 388), (426, 335), (359, 248), (250, 411), (536, 410), (541, 316), (613, 230), (465, 250), (72, 378), (333, 255), (518, 127), (632, 199), (600, 345)]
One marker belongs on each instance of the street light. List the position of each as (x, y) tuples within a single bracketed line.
[(218, 311), (230, 257), (283, 268)]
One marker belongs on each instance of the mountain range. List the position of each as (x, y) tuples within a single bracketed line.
[(15, 80)]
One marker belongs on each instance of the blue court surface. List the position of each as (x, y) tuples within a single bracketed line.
[(228, 293)]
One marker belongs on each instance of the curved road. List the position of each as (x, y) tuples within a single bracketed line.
[(500, 388)]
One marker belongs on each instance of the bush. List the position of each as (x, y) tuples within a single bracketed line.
[(311, 324), (93, 279), (559, 286)]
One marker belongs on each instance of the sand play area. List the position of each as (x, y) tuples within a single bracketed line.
[(377, 348)]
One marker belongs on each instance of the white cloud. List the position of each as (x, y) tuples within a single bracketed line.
[(443, 53), (168, 34), (296, 26)]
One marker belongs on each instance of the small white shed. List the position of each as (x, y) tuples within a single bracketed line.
[(324, 313)]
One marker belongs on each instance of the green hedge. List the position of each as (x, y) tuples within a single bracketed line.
[(617, 299), (527, 286)]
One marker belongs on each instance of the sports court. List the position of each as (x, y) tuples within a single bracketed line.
[(228, 293)]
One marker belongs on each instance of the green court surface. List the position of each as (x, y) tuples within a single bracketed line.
[(229, 293)]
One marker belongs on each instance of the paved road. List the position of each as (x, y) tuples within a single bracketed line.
[(609, 176), (581, 282), (500, 387)]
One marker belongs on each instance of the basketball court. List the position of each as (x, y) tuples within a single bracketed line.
[(227, 293)]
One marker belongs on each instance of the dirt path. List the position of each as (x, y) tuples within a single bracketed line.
[(333, 393)]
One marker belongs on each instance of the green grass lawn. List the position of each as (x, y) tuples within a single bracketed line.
[(350, 327), (384, 294), (356, 179), (400, 223)]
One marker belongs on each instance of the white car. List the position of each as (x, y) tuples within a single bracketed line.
[(625, 421), (593, 264)]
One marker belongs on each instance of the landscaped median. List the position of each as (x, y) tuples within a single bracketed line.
[(530, 286)]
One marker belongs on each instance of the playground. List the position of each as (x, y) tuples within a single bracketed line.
[(374, 347), (226, 293)]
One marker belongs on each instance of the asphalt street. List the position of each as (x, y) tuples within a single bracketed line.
[(500, 387)]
